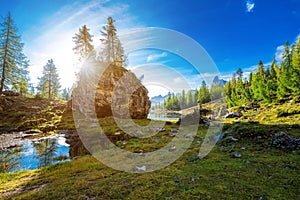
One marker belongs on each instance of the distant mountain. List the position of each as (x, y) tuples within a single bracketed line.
[(217, 81), (158, 99)]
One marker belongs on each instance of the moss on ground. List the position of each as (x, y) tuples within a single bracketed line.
[(262, 172)]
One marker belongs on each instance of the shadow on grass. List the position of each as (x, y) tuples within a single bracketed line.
[(262, 172)]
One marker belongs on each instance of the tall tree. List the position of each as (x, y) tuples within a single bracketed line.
[(83, 42), (295, 69), (113, 51), (49, 83), (203, 96), (189, 99), (13, 62), (284, 82)]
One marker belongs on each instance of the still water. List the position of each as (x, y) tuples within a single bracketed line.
[(40, 152), (164, 116)]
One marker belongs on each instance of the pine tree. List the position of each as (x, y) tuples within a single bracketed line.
[(182, 99), (113, 51), (49, 83), (295, 69), (284, 83), (13, 62), (83, 41), (203, 96), (189, 99)]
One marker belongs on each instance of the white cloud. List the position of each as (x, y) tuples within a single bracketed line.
[(279, 53), (250, 5), (155, 57)]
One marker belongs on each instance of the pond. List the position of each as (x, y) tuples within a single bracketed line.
[(164, 116), (40, 152)]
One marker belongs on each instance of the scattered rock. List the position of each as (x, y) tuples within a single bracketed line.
[(243, 148), (284, 141), (174, 130), (237, 155), (189, 135), (172, 148), (117, 133), (223, 111), (231, 138), (233, 115), (142, 168), (157, 129), (137, 133)]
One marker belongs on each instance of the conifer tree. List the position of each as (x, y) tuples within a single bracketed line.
[(83, 41), (113, 51), (49, 83), (13, 62), (284, 83), (295, 69), (189, 99), (203, 96)]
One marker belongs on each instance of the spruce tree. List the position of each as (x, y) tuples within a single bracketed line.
[(49, 85), (189, 99), (203, 96), (13, 62), (295, 69), (284, 82), (113, 52), (83, 41)]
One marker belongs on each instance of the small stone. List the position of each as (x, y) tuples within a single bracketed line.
[(243, 148), (231, 138), (237, 155), (117, 133), (173, 130), (189, 135), (142, 168), (172, 148)]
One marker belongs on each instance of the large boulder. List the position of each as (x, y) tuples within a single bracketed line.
[(117, 93)]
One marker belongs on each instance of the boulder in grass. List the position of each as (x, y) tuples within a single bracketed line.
[(234, 115)]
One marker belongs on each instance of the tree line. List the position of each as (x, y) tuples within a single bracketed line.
[(267, 84), (195, 97)]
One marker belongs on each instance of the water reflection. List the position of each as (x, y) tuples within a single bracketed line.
[(34, 154), (10, 159), (164, 116)]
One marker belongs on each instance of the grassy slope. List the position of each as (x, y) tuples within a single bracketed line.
[(261, 173), (27, 113)]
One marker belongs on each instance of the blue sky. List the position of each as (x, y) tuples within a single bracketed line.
[(235, 33)]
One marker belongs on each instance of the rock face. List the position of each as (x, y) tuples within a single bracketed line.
[(118, 93)]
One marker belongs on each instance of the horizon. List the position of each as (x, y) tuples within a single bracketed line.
[(235, 34)]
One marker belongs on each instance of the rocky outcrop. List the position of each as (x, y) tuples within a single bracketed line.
[(118, 93), (284, 141)]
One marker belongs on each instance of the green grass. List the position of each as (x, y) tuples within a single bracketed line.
[(262, 172)]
